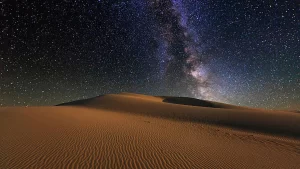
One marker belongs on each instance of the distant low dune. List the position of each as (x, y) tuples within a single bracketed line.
[(137, 131)]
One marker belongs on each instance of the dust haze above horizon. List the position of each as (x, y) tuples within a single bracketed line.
[(238, 52)]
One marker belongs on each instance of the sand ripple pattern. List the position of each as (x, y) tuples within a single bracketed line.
[(66, 137)]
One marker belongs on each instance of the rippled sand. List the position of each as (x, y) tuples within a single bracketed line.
[(135, 131)]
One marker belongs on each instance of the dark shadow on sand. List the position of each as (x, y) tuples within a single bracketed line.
[(190, 102)]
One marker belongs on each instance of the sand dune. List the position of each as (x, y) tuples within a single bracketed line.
[(137, 131), (189, 109)]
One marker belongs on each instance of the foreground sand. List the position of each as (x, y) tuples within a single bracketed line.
[(119, 134)]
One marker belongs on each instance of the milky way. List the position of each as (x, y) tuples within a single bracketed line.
[(186, 70)]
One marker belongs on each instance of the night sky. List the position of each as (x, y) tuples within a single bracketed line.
[(242, 52)]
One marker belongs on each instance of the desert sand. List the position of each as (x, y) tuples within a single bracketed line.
[(137, 131)]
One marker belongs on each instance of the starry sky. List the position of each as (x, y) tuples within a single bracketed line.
[(242, 52)]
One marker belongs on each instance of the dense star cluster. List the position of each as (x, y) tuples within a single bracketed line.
[(239, 52)]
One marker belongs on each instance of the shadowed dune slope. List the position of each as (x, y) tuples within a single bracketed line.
[(201, 103), (189, 109)]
